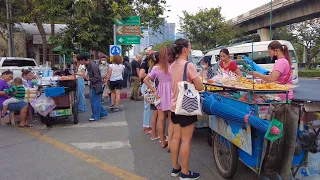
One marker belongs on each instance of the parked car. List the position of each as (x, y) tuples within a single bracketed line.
[(16, 64)]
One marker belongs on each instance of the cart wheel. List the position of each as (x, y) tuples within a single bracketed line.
[(75, 112), (42, 119), (225, 156), (209, 137), (47, 120)]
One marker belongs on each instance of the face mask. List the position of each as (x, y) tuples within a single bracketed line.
[(103, 62), (203, 66)]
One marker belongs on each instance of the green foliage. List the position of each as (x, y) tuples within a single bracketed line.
[(207, 28), (307, 33), (167, 43), (18, 12), (309, 73), (93, 21)]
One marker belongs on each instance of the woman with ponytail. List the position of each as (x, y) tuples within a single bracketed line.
[(163, 90), (282, 71)]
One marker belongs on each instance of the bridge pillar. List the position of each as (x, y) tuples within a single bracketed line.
[(264, 34)]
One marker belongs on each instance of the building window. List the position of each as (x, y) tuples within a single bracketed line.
[(56, 57)]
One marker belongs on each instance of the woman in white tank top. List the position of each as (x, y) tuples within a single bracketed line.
[(115, 76)]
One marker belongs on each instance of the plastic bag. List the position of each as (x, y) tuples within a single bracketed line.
[(43, 105), (106, 91)]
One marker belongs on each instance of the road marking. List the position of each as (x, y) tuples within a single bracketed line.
[(93, 124), (85, 157), (107, 145)]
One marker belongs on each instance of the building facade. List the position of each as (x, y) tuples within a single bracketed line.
[(153, 37)]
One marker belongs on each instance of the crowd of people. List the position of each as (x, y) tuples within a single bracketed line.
[(160, 72)]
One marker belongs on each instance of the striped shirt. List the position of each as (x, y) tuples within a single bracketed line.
[(20, 92)]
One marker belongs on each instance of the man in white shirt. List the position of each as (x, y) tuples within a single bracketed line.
[(104, 68)]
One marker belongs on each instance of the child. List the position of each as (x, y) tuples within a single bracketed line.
[(19, 93)]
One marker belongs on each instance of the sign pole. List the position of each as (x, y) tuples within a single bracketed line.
[(114, 35)]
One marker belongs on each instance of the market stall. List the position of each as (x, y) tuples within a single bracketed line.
[(249, 122), (56, 99)]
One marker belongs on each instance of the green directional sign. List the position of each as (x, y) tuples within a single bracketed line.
[(127, 40), (129, 21)]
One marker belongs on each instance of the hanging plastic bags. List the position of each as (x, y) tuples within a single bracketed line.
[(43, 105)]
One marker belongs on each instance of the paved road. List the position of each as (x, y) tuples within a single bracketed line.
[(308, 89), (113, 148)]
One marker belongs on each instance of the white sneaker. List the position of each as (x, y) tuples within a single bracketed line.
[(91, 119)]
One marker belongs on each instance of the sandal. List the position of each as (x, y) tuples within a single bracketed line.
[(28, 125), (166, 139), (153, 139)]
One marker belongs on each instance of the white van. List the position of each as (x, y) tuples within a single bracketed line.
[(196, 56), (260, 55)]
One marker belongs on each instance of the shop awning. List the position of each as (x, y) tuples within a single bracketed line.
[(57, 49)]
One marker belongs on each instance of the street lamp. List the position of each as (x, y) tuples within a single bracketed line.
[(270, 20)]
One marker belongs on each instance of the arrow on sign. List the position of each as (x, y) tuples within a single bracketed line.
[(119, 30), (120, 40)]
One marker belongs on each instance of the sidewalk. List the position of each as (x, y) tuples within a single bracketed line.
[(125, 93)]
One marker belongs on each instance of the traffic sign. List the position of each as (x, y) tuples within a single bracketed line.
[(127, 40), (128, 30), (115, 50), (129, 21)]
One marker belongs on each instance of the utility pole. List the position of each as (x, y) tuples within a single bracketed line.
[(10, 29), (271, 20)]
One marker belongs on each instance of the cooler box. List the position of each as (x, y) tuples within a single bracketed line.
[(62, 101)]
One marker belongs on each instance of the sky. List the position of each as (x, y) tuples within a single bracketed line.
[(230, 8)]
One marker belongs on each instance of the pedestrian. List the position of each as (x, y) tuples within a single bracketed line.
[(163, 91), (81, 75), (98, 111), (148, 127), (127, 71), (104, 68), (115, 75), (183, 126), (135, 67)]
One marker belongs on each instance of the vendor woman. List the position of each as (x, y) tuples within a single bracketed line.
[(282, 72), (226, 64)]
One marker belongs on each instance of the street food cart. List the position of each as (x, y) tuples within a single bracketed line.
[(63, 91), (250, 124)]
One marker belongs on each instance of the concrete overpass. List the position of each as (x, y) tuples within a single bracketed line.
[(284, 12)]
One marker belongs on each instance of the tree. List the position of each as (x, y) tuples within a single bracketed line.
[(46, 11), (308, 32), (93, 20), (207, 28), (18, 12)]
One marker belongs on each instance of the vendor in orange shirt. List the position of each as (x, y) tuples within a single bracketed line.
[(226, 64)]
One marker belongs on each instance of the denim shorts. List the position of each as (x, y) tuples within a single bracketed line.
[(16, 106)]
